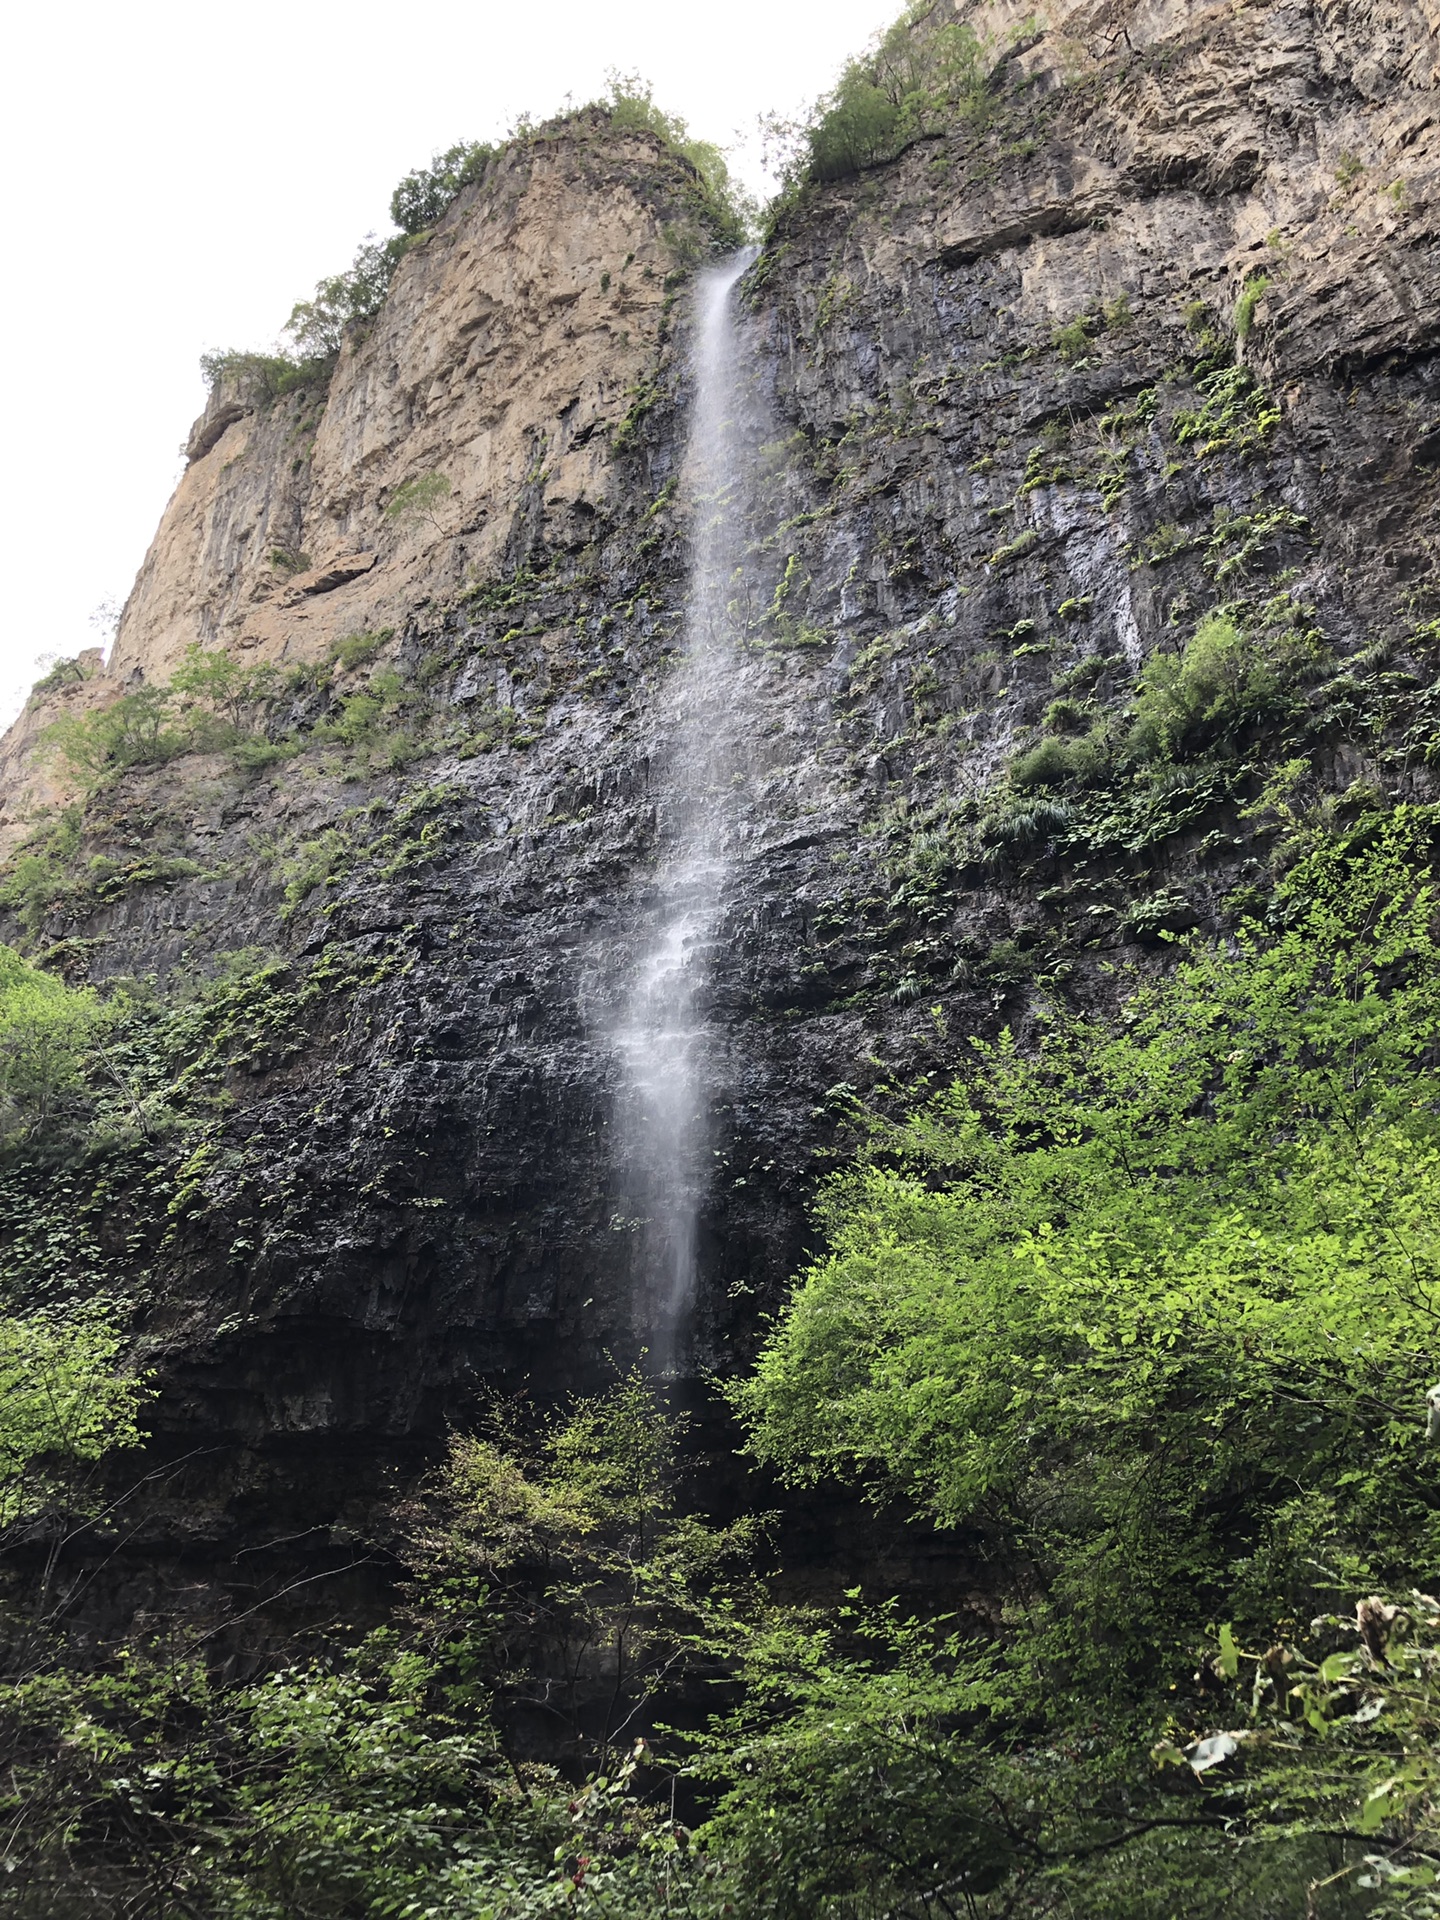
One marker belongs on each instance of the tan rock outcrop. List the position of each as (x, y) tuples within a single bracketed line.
[(513, 340), (508, 349)]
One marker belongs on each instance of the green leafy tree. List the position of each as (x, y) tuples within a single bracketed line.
[(217, 683), (419, 499), (45, 1030), (318, 326), (138, 729), (1151, 1312), (422, 197), (64, 1398), (925, 73)]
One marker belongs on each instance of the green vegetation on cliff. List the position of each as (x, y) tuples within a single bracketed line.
[(346, 302), (1148, 1313)]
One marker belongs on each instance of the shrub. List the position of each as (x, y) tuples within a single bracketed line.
[(923, 73), (1019, 826), (1141, 1311), (1072, 341), (1254, 291), (359, 649), (313, 864), (1050, 764), (260, 378), (42, 872), (1066, 716), (421, 199), (137, 729), (63, 673), (62, 1398), (1222, 682), (45, 1031)]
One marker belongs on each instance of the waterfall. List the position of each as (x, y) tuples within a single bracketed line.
[(661, 1115)]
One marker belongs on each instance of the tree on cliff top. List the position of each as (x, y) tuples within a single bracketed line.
[(341, 302), (922, 73)]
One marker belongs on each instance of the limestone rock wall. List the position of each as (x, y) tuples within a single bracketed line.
[(512, 343)]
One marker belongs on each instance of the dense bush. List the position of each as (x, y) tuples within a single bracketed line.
[(1148, 1311), (422, 197), (210, 701), (65, 1399), (45, 1029), (1241, 675), (262, 377), (923, 74), (727, 213), (1151, 1310), (1223, 681)]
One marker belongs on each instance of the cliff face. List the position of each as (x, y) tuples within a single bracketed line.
[(506, 353), (1153, 334)]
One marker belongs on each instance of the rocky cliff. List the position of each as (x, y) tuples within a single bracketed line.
[(1146, 340)]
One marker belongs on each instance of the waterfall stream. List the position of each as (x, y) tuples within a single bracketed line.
[(661, 1116)]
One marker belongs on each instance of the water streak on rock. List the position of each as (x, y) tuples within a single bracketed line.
[(662, 1136)]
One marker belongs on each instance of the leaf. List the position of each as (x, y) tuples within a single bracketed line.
[(1229, 1652), (1378, 1805)]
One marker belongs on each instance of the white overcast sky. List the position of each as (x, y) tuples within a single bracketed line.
[(179, 174)]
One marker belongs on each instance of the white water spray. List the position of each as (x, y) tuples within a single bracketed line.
[(660, 1036)]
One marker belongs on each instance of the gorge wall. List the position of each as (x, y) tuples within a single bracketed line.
[(1154, 334)]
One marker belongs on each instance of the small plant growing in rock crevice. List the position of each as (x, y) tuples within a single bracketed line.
[(1253, 292), (418, 500)]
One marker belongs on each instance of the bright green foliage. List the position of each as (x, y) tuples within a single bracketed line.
[(137, 729), (1224, 680), (1236, 415), (1253, 292), (574, 1542), (1056, 762), (42, 873), (925, 73), (1101, 1300), (63, 1398), (262, 377), (359, 649), (1241, 673), (631, 103), (842, 1790), (219, 684), (317, 1792), (418, 499), (45, 1030), (422, 197), (1151, 1313), (211, 701), (318, 325), (1072, 341)]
